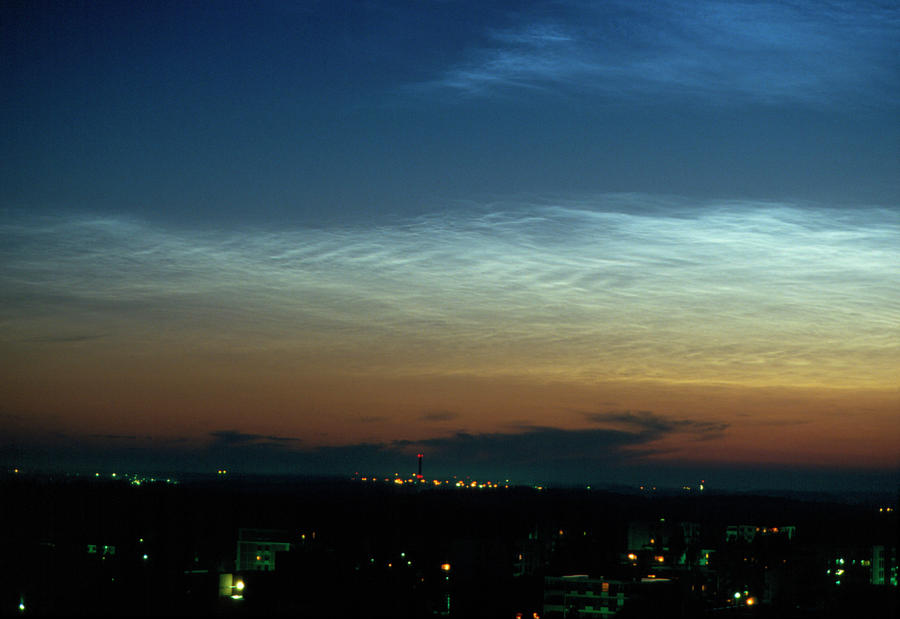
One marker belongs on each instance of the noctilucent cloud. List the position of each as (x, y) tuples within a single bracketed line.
[(567, 242)]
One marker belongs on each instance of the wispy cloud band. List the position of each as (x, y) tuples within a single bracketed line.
[(772, 52), (607, 287)]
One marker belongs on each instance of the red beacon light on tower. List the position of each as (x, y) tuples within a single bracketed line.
[(419, 474)]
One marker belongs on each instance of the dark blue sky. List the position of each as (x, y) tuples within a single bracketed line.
[(305, 111), (334, 231)]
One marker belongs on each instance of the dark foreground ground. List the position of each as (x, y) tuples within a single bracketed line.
[(84, 546)]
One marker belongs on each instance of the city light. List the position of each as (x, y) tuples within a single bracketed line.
[(410, 582), (238, 593)]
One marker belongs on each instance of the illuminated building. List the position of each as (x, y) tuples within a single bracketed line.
[(257, 549), (647, 536), (232, 587), (104, 550), (581, 596), (740, 532), (880, 570), (748, 532)]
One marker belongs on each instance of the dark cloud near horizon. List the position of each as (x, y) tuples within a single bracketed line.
[(525, 445), (545, 452), (535, 454), (652, 426), (233, 437), (65, 339), (529, 450), (439, 416), (541, 451)]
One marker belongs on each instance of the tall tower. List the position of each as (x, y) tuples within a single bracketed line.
[(419, 474)]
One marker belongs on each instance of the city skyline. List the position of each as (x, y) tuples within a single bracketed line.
[(552, 242)]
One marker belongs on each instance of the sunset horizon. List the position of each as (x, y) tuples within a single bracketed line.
[(555, 243)]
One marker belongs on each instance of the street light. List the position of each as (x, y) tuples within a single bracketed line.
[(238, 593)]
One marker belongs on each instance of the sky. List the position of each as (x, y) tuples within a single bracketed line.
[(568, 242)]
